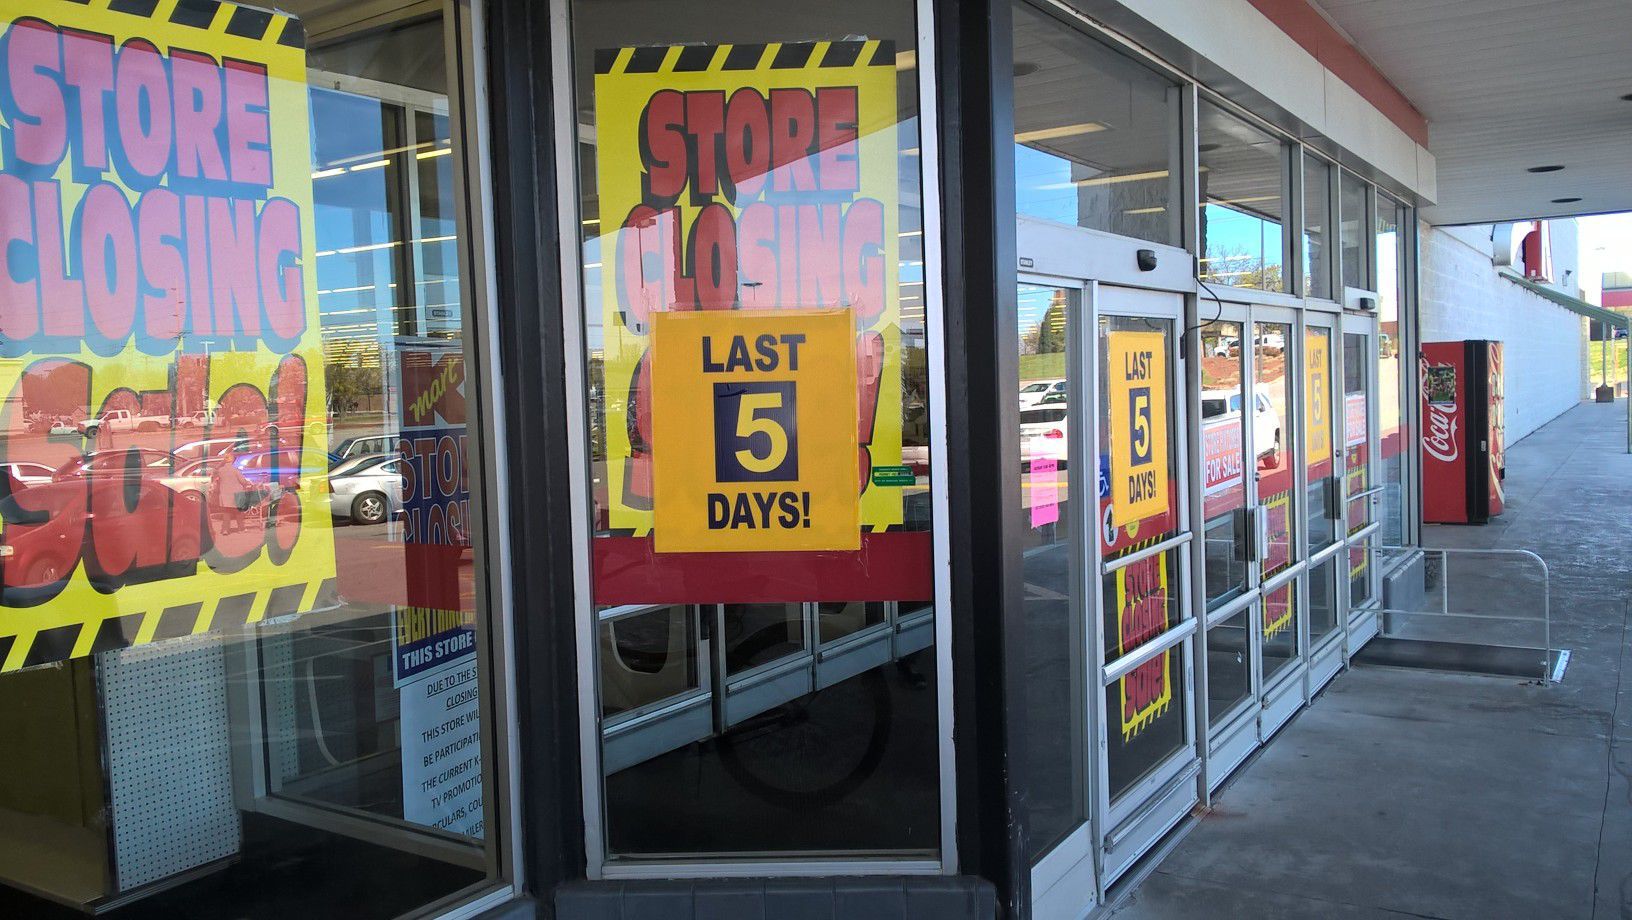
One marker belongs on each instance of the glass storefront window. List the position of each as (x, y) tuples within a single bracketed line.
[(1322, 601), (1391, 392), (1317, 227), (1243, 179), (1053, 768), (1223, 447), (1229, 674), (1272, 437), (1352, 234), (1095, 134), (749, 188), (243, 644)]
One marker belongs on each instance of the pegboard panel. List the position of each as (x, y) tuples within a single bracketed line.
[(169, 758), (277, 656)]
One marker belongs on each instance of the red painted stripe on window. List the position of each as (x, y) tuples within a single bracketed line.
[(1304, 25), (888, 567)]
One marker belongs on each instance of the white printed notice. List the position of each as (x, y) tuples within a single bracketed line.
[(442, 749)]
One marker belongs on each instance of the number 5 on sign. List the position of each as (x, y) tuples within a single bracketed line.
[(1137, 375)]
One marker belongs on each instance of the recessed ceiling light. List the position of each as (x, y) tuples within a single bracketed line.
[(1542, 169), (1627, 98), (1025, 68), (1566, 200), (1209, 148)]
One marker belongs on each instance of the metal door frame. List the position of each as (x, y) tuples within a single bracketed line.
[(1068, 872), (1275, 701), (1324, 655)]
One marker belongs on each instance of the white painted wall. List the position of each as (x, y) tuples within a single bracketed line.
[(1233, 35), (1463, 297)]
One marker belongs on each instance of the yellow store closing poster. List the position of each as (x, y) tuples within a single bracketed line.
[(157, 286), (745, 179)]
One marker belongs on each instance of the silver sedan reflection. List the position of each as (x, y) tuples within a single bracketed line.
[(366, 490)]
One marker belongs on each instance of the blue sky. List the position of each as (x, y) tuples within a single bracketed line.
[(1606, 244)]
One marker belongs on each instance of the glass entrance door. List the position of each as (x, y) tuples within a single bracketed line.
[(1274, 433), (1250, 431), (1144, 557), (1230, 580), (1361, 491)]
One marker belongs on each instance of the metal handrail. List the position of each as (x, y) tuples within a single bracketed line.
[(1122, 562), (1546, 618)]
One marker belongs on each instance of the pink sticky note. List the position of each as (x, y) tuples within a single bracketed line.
[(1045, 491)]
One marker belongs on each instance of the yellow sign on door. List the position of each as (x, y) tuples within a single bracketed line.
[(1137, 373), (762, 177), (1317, 405), (754, 431)]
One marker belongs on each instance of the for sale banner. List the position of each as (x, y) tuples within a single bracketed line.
[(757, 418), (746, 179), (1141, 615), (1223, 462), (157, 305)]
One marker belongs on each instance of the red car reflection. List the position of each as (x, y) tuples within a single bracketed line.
[(108, 510)]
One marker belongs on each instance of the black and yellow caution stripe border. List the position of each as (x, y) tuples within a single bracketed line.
[(745, 57), (217, 616), (212, 16)]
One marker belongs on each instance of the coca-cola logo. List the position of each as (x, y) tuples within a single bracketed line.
[(1440, 438)]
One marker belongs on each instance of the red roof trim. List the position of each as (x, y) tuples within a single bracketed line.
[(1306, 26)]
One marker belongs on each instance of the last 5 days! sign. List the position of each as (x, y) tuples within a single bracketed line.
[(754, 425)]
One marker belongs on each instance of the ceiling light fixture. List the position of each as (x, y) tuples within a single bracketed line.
[(1544, 169), (1049, 134), (1566, 200)]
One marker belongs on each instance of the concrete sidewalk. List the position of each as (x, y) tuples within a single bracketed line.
[(1426, 794)]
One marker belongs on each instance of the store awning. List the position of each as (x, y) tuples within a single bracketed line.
[(1573, 304), (1512, 92)]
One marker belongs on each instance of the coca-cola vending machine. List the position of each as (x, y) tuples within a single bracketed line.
[(1462, 448)]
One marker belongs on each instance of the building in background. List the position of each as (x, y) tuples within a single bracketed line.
[(1616, 294), (1472, 283)]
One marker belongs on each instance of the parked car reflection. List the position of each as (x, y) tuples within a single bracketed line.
[(103, 509), (367, 489)]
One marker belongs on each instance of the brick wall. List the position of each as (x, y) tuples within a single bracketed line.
[(1463, 297)]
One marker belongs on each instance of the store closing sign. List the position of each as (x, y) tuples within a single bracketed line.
[(157, 286), (1141, 615), (755, 178), (754, 431), (1137, 373)]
